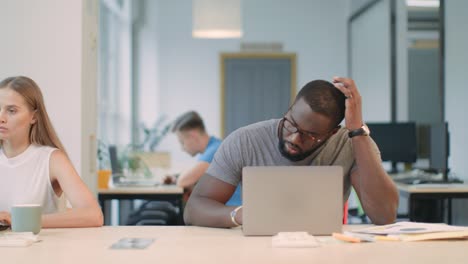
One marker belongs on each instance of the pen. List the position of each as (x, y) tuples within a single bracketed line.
[(387, 238), (346, 238), (357, 238)]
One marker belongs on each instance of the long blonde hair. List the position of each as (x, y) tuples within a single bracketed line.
[(42, 132)]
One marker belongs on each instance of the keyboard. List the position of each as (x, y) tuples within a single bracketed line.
[(135, 182)]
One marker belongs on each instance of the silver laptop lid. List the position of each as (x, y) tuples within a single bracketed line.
[(292, 198)]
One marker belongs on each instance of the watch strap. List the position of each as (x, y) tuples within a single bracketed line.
[(233, 215), (362, 131)]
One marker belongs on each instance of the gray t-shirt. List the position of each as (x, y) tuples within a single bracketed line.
[(257, 145)]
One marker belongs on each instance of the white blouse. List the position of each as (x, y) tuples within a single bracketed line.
[(25, 179)]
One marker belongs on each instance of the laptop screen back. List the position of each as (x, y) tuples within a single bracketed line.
[(292, 198), (114, 160)]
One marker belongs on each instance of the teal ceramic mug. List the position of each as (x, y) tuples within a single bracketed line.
[(26, 218)]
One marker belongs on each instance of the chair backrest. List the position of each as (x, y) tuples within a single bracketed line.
[(154, 213)]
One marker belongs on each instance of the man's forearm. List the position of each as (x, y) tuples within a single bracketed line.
[(202, 211), (189, 177), (376, 190)]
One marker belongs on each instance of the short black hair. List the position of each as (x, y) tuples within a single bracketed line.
[(324, 98), (188, 121)]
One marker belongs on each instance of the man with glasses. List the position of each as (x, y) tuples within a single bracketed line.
[(309, 134)]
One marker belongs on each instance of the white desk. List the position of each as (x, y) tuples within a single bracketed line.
[(447, 192), (181, 244)]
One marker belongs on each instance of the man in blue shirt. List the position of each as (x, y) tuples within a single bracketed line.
[(190, 131)]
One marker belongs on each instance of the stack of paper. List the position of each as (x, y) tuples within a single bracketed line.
[(405, 231), (411, 231), (17, 239)]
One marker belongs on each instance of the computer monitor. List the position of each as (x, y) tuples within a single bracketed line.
[(424, 141), (397, 141), (439, 148)]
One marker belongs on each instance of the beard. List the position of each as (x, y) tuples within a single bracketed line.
[(293, 157)]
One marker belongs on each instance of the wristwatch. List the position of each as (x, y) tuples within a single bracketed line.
[(362, 131), (233, 215)]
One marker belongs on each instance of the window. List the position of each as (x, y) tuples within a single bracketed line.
[(114, 92)]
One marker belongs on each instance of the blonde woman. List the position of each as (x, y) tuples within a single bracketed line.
[(34, 167)]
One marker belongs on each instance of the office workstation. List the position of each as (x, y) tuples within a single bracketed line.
[(172, 72), (426, 193), (412, 123), (145, 182)]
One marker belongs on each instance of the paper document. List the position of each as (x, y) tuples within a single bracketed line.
[(404, 231), (410, 228), (20, 239), (435, 236)]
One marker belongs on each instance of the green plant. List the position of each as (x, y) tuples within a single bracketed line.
[(152, 136), (103, 155), (133, 164), (130, 161)]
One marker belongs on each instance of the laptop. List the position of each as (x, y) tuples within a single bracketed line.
[(292, 198), (114, 160)]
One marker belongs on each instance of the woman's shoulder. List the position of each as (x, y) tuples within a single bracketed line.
[(42, 147), (50, 153)]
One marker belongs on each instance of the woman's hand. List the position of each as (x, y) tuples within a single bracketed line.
[(5, 218)]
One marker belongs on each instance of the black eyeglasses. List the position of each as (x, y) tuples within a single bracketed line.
[(292, 128)]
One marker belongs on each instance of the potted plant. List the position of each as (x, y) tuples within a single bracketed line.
[(152, 137), (137, 159)]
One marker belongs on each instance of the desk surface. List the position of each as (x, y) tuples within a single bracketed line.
[(182, 244), (433, 188), (159, 189)]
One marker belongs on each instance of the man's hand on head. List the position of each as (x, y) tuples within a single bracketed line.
[(353, 113)]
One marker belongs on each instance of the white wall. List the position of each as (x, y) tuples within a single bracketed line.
[(146, 28), (44, 40), (456, 65), (401, 60), (371, 60), (188, 70)]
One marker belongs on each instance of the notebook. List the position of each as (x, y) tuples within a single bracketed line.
[(292, 199)]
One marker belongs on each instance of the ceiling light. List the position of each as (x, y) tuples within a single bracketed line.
[(423, 3), (217, 19)]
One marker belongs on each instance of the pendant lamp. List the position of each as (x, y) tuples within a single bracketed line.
[(216, 19)]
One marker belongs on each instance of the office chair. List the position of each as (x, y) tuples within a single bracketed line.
[(154, 213)]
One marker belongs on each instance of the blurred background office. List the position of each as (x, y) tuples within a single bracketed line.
[(108, 67)]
